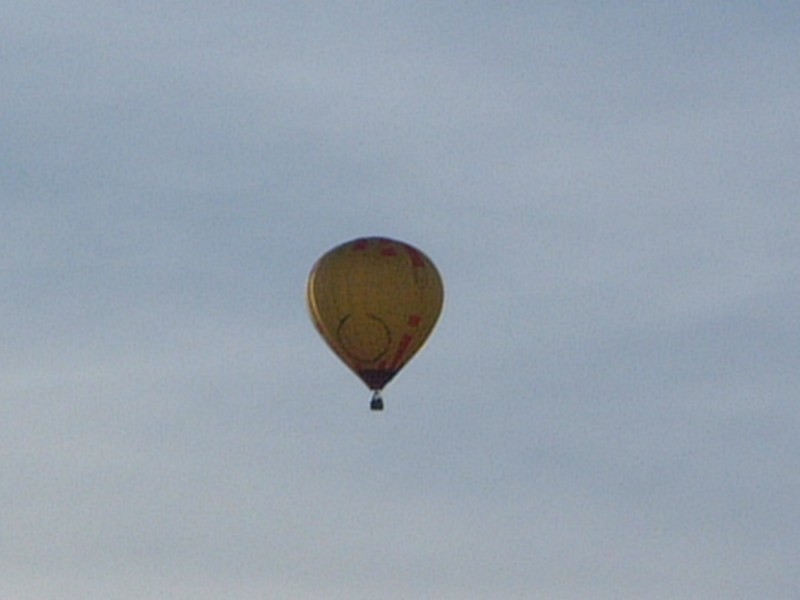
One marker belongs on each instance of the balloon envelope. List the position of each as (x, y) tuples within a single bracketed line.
[(375, 301)]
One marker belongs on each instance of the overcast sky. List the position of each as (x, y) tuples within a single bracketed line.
[(610, 405)]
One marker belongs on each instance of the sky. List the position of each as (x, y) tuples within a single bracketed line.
[(609, 406)]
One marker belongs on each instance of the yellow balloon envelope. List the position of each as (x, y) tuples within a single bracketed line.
[(375, 301)]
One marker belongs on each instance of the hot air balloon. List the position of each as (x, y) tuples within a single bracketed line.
[(375, 301)]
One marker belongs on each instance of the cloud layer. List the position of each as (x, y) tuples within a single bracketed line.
[(609, 405)]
